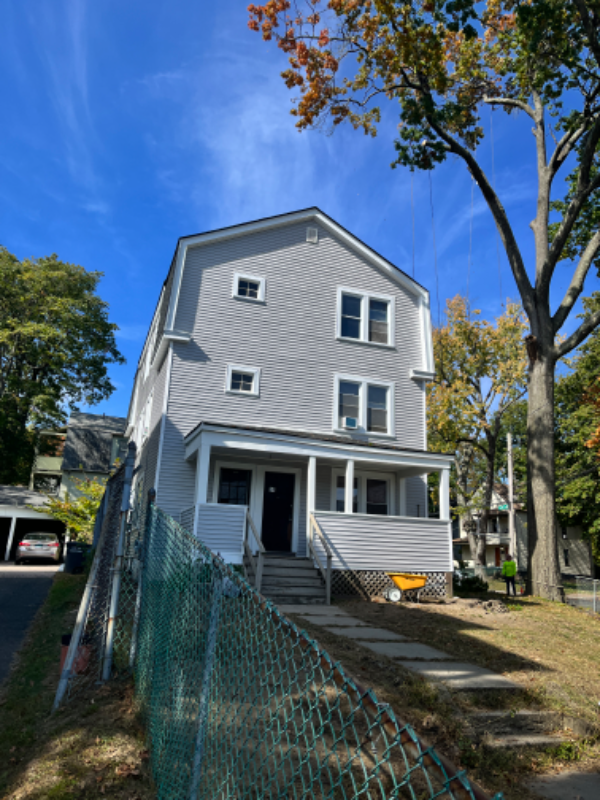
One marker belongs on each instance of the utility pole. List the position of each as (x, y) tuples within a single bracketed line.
[(511, 502)]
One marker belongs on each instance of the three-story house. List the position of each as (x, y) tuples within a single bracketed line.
[(279, 403)]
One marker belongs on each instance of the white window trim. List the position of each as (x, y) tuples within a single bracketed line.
[(362, 405), (254, 371), (364, 317), (262, 287), (361, 476)]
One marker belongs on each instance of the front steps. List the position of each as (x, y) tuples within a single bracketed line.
[(289, 580)]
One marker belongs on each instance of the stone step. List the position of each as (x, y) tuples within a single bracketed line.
[(500, 723), (537, 740)]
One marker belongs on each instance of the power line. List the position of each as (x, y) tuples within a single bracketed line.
[(494, 186), (437, 283)]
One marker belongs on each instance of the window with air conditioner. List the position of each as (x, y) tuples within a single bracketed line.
[(249, 287), (363, 405), (365, 317)]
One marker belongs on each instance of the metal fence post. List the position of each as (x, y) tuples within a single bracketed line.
[(138, 598), (211, 646), (118, 564)]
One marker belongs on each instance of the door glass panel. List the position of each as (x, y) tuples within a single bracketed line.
[(349, 401), (377, 499), (340, 495), (234, 487)]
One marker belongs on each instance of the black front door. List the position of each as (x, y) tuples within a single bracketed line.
[(278, 511)]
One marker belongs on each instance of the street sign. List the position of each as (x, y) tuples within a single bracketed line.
[(503, 507)]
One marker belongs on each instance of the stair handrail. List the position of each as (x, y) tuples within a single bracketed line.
[(325, 572), (257, 568)]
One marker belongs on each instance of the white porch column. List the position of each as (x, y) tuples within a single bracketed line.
[(202, 470), (311, 492), (13, 525), (402, 485), (444, 494), (349, 488)]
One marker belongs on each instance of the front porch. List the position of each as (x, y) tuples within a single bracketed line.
[(282, 493)]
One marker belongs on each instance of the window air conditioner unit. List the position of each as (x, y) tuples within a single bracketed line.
[(350, 423)]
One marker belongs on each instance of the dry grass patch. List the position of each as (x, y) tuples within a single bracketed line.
[(551, 651), (92, 748)]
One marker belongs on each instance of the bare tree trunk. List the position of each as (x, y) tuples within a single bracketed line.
[(543, 567)]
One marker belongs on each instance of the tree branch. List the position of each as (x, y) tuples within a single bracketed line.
[(577, 281), (584, 330), (509, 101), (589, 28)]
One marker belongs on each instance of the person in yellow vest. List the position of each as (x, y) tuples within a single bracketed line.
[(509, 570)]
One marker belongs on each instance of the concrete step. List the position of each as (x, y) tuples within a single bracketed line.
[(537, 740), (501, 723)]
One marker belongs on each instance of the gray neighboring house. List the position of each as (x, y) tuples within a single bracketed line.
[(282, 387), (93, 443)]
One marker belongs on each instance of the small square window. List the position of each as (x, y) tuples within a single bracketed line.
[(249, 287), (242, 380)]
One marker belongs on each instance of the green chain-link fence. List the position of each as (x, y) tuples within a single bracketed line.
[(239, 703)]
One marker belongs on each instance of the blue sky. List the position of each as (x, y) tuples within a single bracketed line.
[(127, 125)]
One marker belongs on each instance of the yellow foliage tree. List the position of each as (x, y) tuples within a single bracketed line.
[(481, 371)]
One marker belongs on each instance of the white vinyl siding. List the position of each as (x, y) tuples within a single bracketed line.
[(290, 336)]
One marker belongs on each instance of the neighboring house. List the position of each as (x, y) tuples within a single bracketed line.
[(94, 442), (89, 448), (574, 552), (284, 373)]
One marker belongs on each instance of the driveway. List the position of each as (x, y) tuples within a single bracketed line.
[(22, 592)]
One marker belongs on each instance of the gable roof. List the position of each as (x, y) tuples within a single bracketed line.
[(89, 441), (175, 276)]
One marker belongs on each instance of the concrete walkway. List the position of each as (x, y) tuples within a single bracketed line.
[(429, 662)]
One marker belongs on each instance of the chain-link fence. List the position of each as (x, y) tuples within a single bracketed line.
[(239, 703), (583, 592)]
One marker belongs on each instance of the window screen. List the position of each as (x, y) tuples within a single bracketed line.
[(377, 415), (377, 500), (234, 488), (242, 382), (349, 401), (248, 288), (340, 495), (378, 321), (351, 313)]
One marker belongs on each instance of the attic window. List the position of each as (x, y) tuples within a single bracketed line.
[(312, 235), (249, 287), (242, 380)]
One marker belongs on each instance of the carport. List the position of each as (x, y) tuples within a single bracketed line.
[(17, 520)]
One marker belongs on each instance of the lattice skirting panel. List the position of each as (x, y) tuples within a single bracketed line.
[(362, 583)]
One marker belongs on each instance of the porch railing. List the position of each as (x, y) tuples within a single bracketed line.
[(314, 527), (258, 562)]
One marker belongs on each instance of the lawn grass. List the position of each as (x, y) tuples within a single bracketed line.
[(92, 748)]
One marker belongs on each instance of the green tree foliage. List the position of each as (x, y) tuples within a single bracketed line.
[(56, 342), (481, 372), (577, 457), (78, 513)]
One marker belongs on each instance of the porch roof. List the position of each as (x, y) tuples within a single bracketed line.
[(307, 444)]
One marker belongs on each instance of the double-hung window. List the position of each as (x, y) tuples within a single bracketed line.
[(364, 405), (249, 287), (372, 493), (242, 380), (365, 317)]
